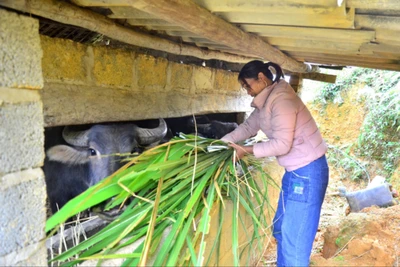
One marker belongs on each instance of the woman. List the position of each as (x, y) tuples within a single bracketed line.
[(298, 146)]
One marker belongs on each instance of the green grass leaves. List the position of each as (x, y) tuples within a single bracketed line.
[(169, 193)]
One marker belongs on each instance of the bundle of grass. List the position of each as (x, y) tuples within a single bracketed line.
[(168, 193)]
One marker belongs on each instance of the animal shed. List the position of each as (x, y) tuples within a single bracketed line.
[(107, 72)]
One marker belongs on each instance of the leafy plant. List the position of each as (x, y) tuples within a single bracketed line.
[(172, 188), (329, 92), (341, 158), (379, 138)]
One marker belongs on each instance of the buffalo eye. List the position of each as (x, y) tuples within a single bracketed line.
[(92, 152)]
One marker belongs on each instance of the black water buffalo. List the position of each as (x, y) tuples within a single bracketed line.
[(202, 124), (88, 156), (213, 129)]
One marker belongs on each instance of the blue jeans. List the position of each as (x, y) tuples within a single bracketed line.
[(297, 216)]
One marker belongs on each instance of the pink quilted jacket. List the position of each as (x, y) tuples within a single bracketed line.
[(293, 135)]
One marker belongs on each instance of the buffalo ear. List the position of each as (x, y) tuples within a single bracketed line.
[(68, 155)]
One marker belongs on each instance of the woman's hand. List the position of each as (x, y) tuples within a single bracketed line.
[(241, 151)]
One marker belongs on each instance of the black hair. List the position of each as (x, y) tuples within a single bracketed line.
[(253, 68)]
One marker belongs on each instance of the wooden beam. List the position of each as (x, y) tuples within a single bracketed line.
[(307, 33), (382, 48), (377, 22), (374, 4), (201, 22), (127, 12), (296, 81), (314, 44), (314, 3), (100, 3), (72, 15), (342, 62), (327, 78), (265, 5), (270, 7), (148, 22), (359, 58), (386, 36), (321, 20), (292, 49)]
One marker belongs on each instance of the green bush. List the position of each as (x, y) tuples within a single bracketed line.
[(379, 137)]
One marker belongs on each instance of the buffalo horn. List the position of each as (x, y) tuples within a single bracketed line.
[(149, 136), (76, 138)]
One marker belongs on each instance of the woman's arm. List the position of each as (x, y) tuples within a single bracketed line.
[(245, 130)]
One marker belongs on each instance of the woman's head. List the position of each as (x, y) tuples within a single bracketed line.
[(256, 75)]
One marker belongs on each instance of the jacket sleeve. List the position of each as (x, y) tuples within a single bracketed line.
[(245, 130), (283, 124)]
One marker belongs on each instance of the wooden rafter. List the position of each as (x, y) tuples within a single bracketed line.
[(69, 14), (201, 22)]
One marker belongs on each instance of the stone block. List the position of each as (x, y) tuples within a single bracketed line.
[(63, 60), (227, 82), (21, 136), (181, 76), (23, 197), (20, 51), (203, 80), (113, 67), (33, 255), (151, 72)]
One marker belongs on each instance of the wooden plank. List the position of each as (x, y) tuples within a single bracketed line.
[(382, 48), (269, 7), (246, 5), (76, 16), (292, 49), (377, 22), (387, 28), (374, 4), (314, 44), (101, 3), (389, 64), (127, 12), (370, 58), (183, 34), (328, 78), (167, 27), (222, 3), (383, 66), (385, 36), (307, 33), (378, 12), (149, 22), (296, 19), (201, 22)]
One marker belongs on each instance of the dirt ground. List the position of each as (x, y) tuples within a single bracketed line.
[(367, 238)]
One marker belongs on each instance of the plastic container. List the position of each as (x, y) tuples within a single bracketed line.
[(379, 195)]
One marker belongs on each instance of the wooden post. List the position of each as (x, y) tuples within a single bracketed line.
[(296, 81)]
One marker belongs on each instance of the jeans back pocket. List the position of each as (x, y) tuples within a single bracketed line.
[(298, 189)]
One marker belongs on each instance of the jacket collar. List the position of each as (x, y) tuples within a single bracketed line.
[(259, 100)]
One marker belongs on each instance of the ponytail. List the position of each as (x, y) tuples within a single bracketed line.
[(278, 71), (253, 68)]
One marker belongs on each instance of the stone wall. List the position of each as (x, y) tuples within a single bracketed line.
[(89, 84), (22, 186)]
